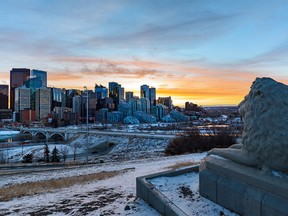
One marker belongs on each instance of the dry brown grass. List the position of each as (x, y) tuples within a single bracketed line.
[(31, 188), (183, 164)]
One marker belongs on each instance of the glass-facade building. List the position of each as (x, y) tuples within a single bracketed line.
[(33, 84), (43, 102), (101, 92), (40, 74), (128, 96), (58, 98), (70, 93), (152, 96), (115, 93), (144, 91), (167, 101), (22, 99)]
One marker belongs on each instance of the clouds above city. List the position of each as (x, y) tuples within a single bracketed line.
[(202, 51)]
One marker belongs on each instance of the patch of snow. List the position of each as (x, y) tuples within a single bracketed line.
[(183, 190)]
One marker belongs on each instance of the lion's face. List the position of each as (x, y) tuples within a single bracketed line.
[(265, 93)]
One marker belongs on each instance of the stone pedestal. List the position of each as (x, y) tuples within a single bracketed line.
[(244, 190)]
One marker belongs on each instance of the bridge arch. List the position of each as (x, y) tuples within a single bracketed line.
[(40, 135), (27, 132), (57, 136)]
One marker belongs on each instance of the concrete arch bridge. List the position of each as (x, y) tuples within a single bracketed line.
[(49, 133), (66, 134)]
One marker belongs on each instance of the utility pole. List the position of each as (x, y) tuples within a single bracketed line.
[(87, 127)]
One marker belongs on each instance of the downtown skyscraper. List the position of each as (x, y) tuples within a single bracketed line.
[(3, 96), (40, 74), (18, 76)]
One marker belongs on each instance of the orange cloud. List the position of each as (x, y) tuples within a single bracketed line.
[(4, 78), (58, 76), (189, 84), (204, 86)]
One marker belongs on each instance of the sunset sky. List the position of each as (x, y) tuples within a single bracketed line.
[(203, 51)]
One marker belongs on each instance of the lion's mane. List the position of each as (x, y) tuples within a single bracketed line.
[(265, 133)]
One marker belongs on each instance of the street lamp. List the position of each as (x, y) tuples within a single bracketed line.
[(87, 128)]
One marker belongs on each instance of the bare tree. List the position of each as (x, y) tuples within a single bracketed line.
[(3, 157), (75, 146), (46, 153), (64, 151), (21, 137)]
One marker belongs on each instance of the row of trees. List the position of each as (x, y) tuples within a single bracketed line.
[(53, 156), (56, 155)]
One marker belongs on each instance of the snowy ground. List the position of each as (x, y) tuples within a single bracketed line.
[(183, 190), (114, 196)]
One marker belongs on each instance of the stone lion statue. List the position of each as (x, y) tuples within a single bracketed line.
[(265, 133)]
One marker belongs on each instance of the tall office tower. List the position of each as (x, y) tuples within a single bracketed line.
[(22, 99), (160, 111), (43, 102), (121, 94), (92, 101), (41, 74), (167, 101), (92, 104), (3, 96), (144, 91), (125, 109), (101, 92), (33, 83), (70, 93), (135, 105), (77, 105), (128, 96), (152, 96), (17, 78), (58, 98), (114, 93), (145, 105)]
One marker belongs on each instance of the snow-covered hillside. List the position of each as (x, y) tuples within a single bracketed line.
[(113, 196)]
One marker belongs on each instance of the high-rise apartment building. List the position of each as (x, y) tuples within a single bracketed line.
[(3, 96), (43, 102), (41, 74), (18, 76)]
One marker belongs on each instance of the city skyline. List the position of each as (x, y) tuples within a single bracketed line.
[(208, 52)]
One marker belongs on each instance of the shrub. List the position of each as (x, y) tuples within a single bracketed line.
[(192, 141), (27, 158)]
